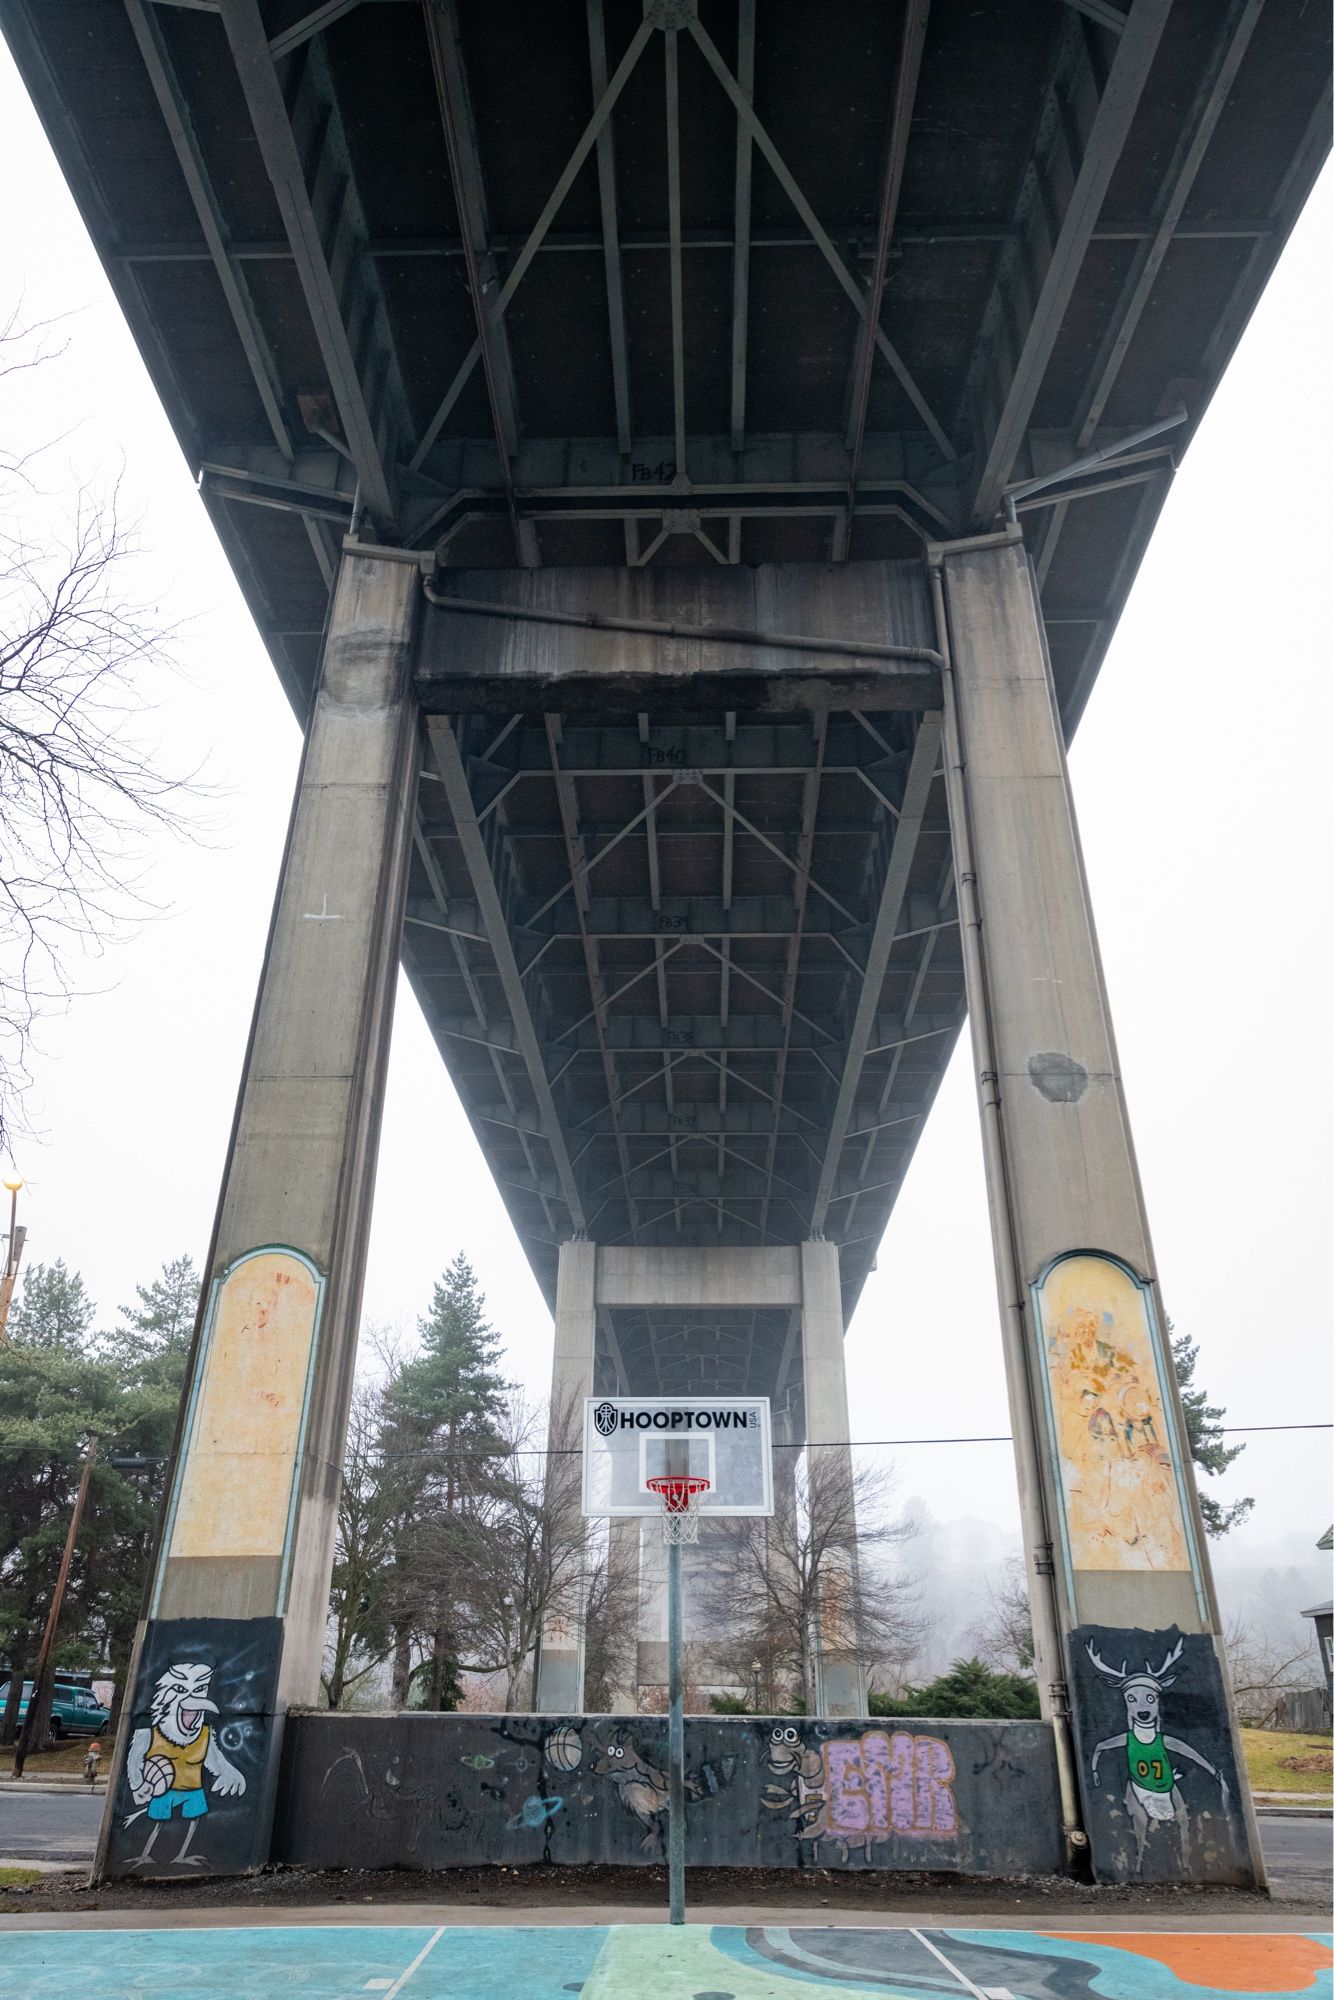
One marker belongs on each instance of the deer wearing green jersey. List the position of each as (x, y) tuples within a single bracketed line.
[(1153, 1791)]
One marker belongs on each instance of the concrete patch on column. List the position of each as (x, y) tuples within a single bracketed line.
[(1158, 1771), (1060, 1079), (191, 1790), (233, 1502), (1116, 1451)]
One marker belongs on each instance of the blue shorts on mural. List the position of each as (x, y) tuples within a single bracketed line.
[(193, 1805)]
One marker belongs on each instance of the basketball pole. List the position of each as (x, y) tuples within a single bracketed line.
[(676, 1781)]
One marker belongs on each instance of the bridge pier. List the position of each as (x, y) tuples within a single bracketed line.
[(1123, 1601), (594, 1283), (240, 1593)]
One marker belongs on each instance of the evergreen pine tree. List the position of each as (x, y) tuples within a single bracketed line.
[(1205, 1432), (54, 1396), (443, 1432), (54, 1309), (152, 1342), (148, 1350)]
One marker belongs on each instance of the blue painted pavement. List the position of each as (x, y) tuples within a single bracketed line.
[(651, 1962)]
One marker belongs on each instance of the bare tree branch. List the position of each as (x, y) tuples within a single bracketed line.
[(80, 787)]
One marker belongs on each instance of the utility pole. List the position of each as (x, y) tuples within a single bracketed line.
[(13, 1251), (53, 1615)]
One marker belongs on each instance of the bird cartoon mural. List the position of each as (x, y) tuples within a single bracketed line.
[(1153, 1781), (166, 1764)]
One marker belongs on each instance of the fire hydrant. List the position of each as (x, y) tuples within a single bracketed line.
[(92, 1757)]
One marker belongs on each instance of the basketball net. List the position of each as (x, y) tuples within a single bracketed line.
[(682, 1496)]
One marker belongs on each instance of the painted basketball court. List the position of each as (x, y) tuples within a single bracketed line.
[(625, 1962)]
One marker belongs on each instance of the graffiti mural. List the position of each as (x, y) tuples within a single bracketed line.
[(856, 1791), (973, 1797), (190, 1794), (1113, 1441), (1161, 1796), (175, 1760)]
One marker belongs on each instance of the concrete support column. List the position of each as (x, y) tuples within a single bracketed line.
[(237, 1609), (560, 1657), (1123, 1603), (840, 1682), (625, 1582)]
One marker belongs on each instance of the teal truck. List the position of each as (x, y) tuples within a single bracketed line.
[(75, 1710)]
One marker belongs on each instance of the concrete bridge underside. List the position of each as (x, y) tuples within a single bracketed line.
[(614, 430)]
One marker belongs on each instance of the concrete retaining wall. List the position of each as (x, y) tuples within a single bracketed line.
[(449, 1791)]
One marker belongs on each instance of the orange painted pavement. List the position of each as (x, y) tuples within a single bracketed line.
[(1231, 1962)]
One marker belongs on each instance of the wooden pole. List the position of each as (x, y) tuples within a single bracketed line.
[(15, 1251), (53, 1615)]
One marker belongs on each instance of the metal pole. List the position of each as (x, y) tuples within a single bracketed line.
[(676, 1731), (53, 1615)]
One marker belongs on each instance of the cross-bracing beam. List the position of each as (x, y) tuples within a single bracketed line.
[(465, 174), (369, 432), (1211, 97), (911, 43), (449, 764), (1034, 294), (921, 774), (496, 312), (611, 247), (746, 113), (597, 993)]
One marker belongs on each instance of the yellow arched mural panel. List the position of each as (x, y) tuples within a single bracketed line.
[(1113, 1441), (236, 1484)]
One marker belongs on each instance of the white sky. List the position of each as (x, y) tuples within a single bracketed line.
[(1203, 781)]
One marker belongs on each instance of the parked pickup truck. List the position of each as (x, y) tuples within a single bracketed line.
[(74, 1710)]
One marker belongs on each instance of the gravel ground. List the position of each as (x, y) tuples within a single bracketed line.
[(604, 1888)]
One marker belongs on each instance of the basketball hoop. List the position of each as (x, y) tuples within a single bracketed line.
[(682, 1496)]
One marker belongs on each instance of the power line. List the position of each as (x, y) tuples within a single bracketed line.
[(574, 1450)]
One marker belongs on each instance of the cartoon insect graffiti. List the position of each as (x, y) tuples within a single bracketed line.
[(1153, 1792), (797, 1780), (166, 1762)]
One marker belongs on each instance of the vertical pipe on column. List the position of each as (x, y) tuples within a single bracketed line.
[(1032, 1493), (676, 1780)]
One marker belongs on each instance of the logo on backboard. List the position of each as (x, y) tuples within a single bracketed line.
[(604, 1419)]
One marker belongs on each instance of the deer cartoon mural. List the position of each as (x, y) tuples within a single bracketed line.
[(1153, 1783)]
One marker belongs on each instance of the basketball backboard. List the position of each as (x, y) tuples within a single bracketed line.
[(629, 1440)]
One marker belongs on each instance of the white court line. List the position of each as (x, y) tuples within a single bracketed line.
[(962, 1977), (408, 1970)]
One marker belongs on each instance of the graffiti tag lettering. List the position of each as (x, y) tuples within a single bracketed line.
[(879, 1785)]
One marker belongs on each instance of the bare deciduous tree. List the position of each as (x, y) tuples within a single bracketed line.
[(524, 1554), (1003, 1638), (825, 1568), (358, 1638), (612, 1601), (1267, 1663), (79, 787)]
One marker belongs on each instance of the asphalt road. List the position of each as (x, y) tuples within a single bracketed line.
[(45, 1826), (48, 1826)]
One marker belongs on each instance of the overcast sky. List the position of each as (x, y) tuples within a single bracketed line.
[(1202, 776)]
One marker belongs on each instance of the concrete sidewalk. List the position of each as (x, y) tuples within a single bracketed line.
[(1273, 1920)]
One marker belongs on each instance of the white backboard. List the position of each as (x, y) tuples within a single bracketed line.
[(724, 1439)]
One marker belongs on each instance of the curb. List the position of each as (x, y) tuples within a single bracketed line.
[(53, 1787)]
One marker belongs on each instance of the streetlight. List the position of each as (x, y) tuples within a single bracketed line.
[(13, 1249)]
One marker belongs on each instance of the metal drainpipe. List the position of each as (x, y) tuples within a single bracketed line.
[(1046, 1621)]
